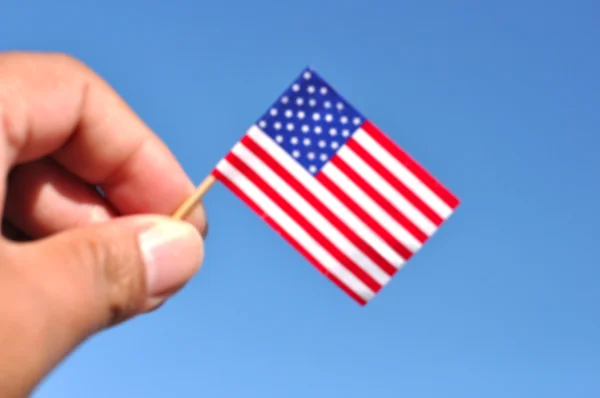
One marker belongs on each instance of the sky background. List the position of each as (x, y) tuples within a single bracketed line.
[(500, 101)]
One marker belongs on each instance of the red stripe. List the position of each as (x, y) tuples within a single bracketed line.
[(273, 224), (394, 182), (319, 206), (379, 199), (364, 216), (302, 222), (411, 164)]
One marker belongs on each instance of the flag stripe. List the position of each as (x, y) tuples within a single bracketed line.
[(389, 267), (340, 178), (293, 233), (305, 215), (301, 221), (369, 231), (284, 233), (394, 181), (385, 190), (389, 210), (388, 237), (407, 170), (431, 182)]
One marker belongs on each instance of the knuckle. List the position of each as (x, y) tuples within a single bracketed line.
[(25, 75), (13, 123), (13, 114)]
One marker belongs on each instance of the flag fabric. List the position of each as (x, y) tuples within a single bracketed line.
[(336, 187)]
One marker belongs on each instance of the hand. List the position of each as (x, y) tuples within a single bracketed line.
[(88, 260)]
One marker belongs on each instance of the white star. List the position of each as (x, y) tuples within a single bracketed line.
[(296, 153), (289, 113), (279, 139), (305, 128), (277, 125), (284, 100), (333, 132), (290, 126), (318, 129), (262, 124), (344, 119), (323, 90), (307, 75), (323, 157), (301, 115), (334, 145), (300, 101), (310, 89), (294, 140), (322, 144), (346, 133), (312, 102), (340, 106), (327, 104), (312, 169), (306, 141), (273, 112), (296, 87), (310, 156), (316, 116), (329, 117), (356, 121)]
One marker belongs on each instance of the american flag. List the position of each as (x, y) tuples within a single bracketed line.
[(337, 188)]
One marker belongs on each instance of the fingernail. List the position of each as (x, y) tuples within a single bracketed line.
[(173, 252)]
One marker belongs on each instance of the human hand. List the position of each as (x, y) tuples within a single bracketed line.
[(89, 260)]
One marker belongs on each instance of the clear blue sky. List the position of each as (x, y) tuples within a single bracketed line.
[(499, 100)]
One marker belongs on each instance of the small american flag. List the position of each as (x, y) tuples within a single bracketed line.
[(335, 187)]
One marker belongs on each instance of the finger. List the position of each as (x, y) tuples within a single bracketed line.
[(56, 292), (52, 103), (45, 199)]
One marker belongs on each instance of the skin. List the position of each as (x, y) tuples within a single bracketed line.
[(74, 262)]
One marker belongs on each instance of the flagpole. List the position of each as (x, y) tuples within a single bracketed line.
[(186, 207)]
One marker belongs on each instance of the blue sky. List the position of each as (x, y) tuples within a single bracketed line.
[(499, 100)]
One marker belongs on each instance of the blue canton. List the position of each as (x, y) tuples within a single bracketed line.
[(310, 121)]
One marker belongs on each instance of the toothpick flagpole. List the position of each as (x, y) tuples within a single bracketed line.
[(186, 207)]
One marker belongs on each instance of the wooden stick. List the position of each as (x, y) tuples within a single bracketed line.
[(184, 210)]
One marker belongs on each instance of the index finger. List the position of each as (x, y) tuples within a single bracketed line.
[(52, 104)]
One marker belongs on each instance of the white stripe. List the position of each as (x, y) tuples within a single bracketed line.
[(387, 191), (364, 201), (326, 197), (313, 216), (436, 203), (294, 230)]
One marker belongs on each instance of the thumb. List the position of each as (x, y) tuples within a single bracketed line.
[(58, 291)]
